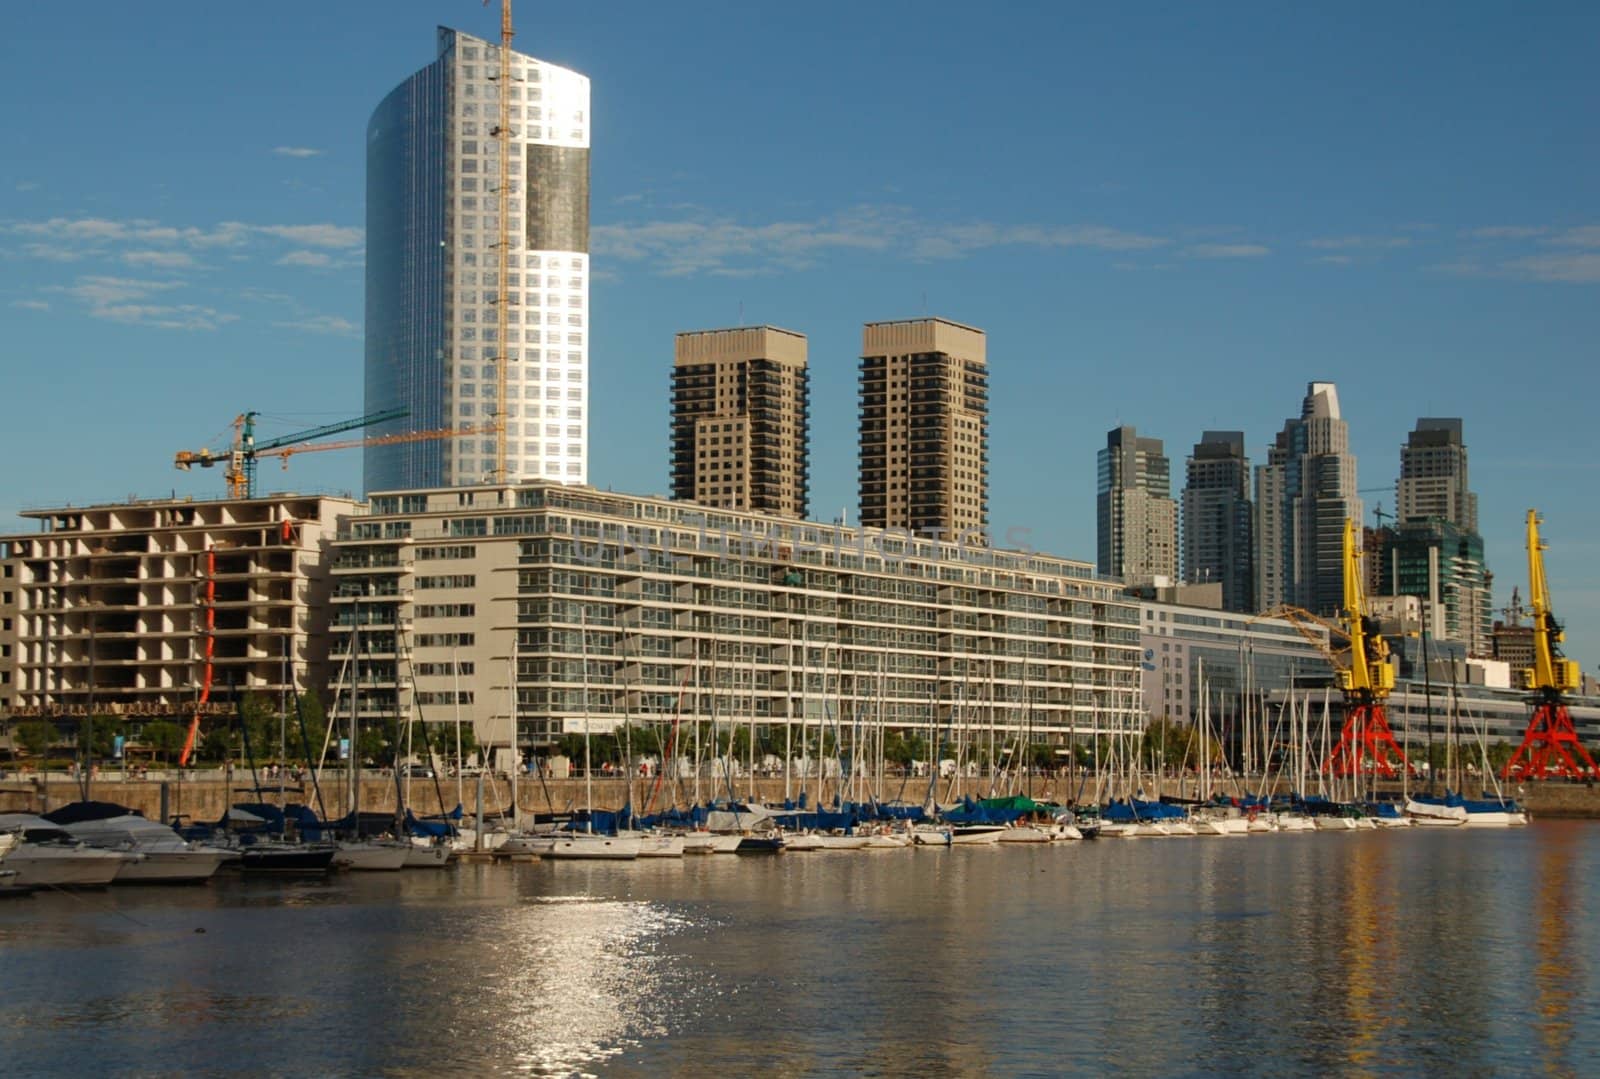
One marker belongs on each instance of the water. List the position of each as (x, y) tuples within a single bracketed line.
[(1350, 954)]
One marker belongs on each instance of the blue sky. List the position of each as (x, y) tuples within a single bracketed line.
[(1173, 216)]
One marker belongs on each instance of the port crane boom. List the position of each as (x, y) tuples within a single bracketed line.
[(1550, 746), (240, 456), (1366, 683)]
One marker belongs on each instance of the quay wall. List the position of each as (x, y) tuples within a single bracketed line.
[(204, 796)]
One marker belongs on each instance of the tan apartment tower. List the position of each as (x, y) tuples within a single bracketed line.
[(739, 420), (925, 427)]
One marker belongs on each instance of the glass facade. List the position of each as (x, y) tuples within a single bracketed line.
[(405, 315), (439, 339)]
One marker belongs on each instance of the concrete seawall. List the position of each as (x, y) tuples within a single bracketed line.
[(204, 796)]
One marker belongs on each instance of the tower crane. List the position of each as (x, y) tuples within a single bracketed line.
[(1550, 746), (1365, 676), (240, 457)]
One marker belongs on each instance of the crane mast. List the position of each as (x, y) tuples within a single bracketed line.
[(1550, 746), (503, 296)]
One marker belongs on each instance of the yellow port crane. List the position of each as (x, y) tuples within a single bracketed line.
[(1365, 675), (1550, 747)]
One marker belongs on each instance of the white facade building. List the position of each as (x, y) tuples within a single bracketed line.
[(433, 277)]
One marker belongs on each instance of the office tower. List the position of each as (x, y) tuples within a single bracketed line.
[(1433, 476), (1135, 517), (1304, 493), (1434, 551), (1217, 533), (433, 277), (925, 428), (739, 419)]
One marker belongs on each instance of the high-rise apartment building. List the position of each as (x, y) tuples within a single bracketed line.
[(925, 427), (433, 270), (1304, 493), (1433, 475), (1135, 517), (1218, 542), (739, 419)]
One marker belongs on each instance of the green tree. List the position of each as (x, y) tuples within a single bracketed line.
[(37, 736), (164, 737), (1167, 744), (442, 737)]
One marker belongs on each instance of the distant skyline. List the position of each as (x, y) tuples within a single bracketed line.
[(1172, 218)]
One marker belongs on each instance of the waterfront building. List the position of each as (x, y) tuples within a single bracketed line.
[(925, 428), (613, 608), (1433, 476), (739, 420), (433, 276), (114, 606), (1304, 494), (1194, 655), (1217, 528), (1136, 521)]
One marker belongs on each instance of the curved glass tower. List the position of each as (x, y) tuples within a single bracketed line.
[(433, 270)]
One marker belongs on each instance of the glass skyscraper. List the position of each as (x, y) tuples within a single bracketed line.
[(432, 322)]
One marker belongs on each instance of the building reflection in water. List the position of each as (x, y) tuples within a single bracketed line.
[(1554, 976)]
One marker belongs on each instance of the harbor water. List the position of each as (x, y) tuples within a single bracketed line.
[(1415, 952)]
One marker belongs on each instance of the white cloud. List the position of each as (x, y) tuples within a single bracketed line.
[(1370, 243), (296, 151), (100, 291), (336, 236), (315, 259), (1573, 268), (160, 260), (1226, 251), (174, 317), (1583, 236), (329, 324), (31, 305), (27, 185), (1505, 232), (702, 243), (1334, 260)]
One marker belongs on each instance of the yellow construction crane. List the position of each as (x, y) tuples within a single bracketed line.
[(239, 459), (1550, 746)]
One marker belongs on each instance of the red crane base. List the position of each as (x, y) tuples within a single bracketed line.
[(1550, 748), (1366, 744)]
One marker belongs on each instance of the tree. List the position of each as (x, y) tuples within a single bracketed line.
[(163, 736), (442, 737), (37, 736)]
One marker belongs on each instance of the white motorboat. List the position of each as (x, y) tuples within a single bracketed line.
[(1024, 833), (887, 841), (1062, 830), (1295, 822), (47, 856), (1120, 830), (928, 835), (167, 857), (1335, 824), (796, 842)]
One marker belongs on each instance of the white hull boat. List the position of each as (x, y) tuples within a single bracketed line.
[(797, 842), (841, 841), (62, 865), (428, 856), (581, 846), (710, 843), (975, 835), (173, 866), (660, 845), (372, 857), (1024, 833), (930, 837), (1061, 832), (1335, 824)]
